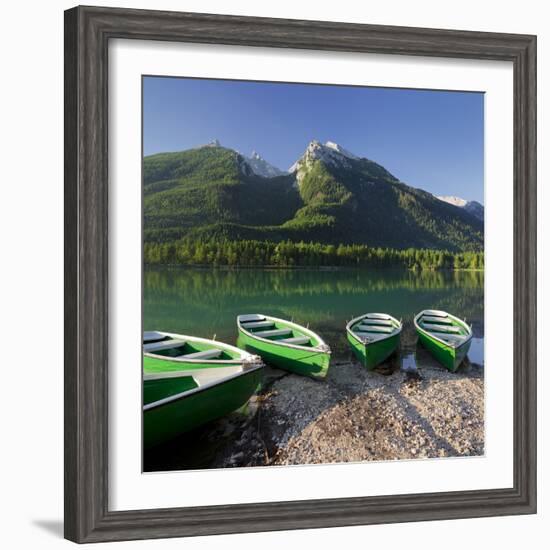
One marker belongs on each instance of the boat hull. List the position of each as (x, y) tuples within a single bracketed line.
[(165, 422), (450, 357), (372, 354), (306, 362)]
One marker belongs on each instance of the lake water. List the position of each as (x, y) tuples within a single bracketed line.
[(206, 302)]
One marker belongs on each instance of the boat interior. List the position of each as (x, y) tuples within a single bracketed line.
[(375, 326), (442, 326), (163, 379), (165, 346), (277, 331), (167, 383)]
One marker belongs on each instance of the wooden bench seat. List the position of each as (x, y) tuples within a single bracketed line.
[(441, 328), (259, 324), (298, 340), (441, 320), (435, 313), (165, 344), (251, 317), (377, 322), (206, 354), (152, 336), (378, 316), (275, 332), (372, 328)]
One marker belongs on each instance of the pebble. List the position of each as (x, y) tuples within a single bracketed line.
[(357, 415)]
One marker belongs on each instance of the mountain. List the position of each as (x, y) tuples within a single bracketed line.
[(476, 209), (262, 168), (353, 199), (329, 196), (336, 158), (473, 207), (330, 153), (211, 188)]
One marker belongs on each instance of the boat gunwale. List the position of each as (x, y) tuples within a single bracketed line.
[(284, 344), (439, 340), (384, 337), (245, 356), (182, 395)]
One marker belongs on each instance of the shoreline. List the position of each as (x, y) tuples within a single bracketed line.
[(207, 267), (354, 415)]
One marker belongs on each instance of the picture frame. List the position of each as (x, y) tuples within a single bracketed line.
[(87, 34)]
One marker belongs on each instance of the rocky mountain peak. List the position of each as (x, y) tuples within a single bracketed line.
[(330, 153), (261, 167)]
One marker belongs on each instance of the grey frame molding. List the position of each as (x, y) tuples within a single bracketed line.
[(87, 34)]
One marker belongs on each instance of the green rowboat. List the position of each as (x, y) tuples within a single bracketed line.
[(189, 381), (284, 344), (373, 337), (445, 336)]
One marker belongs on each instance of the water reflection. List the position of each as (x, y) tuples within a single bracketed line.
[(206, 302), (408, 363), (476, 353)]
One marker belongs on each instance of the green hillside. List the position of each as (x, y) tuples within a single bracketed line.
[(210, 187), (211, 193), (362, 204)]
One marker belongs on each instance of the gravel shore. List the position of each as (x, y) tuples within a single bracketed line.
[(354, 415)]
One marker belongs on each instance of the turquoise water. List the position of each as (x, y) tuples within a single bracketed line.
[(205, 302)]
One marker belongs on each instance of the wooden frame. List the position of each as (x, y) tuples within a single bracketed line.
[(87, 34)]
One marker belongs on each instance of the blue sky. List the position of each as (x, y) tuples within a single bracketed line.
[(428, 139)]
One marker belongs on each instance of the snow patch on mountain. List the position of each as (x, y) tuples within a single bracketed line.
[(341, 150), (455, 201), (261, 167), (330, 153), (473, 207)]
